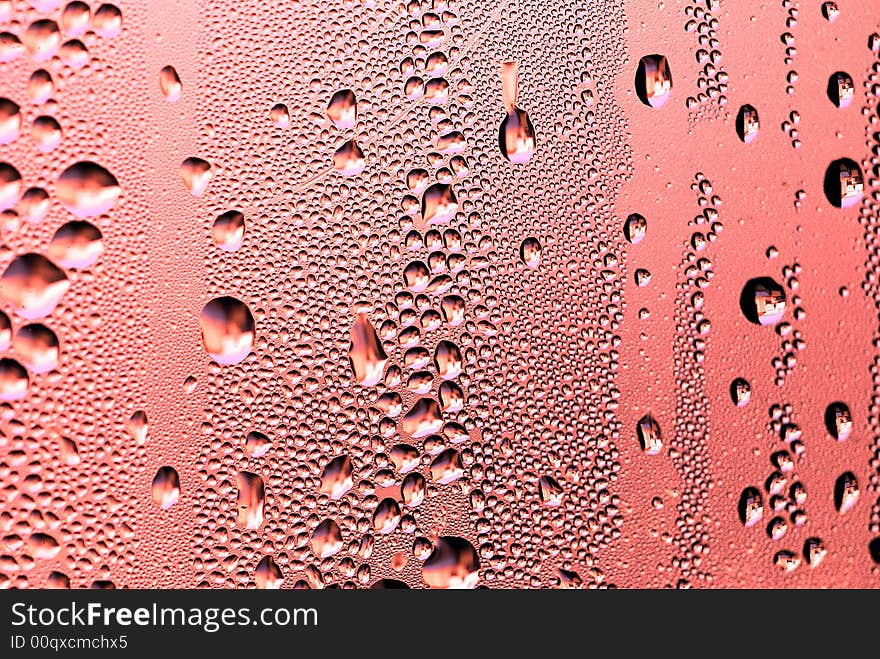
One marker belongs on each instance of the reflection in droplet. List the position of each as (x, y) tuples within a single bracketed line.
[(447, 467), (337, 477), (326, 539), (452, 564), (46, 132), (10, 121), (166, 487), (40, 87), (349, 159), (751, 506), (516, 135), (634, 228), (228, 330), (846, 492), (550, 491), (268, 575), (840, 89), (75, 18), (648, 431), (196, 174), (38, 347), (33, 285), (76, 244), (439, 204), (169, 83), (747, 124), (107, 21), (740, 392), (366, 355), (228, 230), (838, 421), (530, 252), (763, 301), (342, 109), (14, 380), (844, 183), (448, 360), (423, 419), (87, 189), (413, 489), (138, 427), (386, 516), (256, 444), (653, 80), (251, 497), (41, 39), (280, 115)]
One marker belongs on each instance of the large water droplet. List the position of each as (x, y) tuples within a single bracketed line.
[(844, 183), (228, 230), (530, 252), (423, 419), (228, 330), (34, 285), (337, 477), (648, 431), (846, 492), (838, 421), (166, 487), (10, 121), (365, 352), (342, 109), (763, 301), (634, 228), (87, 189), (10, 186), (653, 80), (840, 89), (14, 380), (349, 159), (76, 244), (251, 498), (448, 360), (439, 204), (516, 135), (751, 506), (169, 83), (447, 467), (196, 174), (740, 392), (452, 564), (326, 539), (268, 575), (386, 516), (747, 124), (38, 347)]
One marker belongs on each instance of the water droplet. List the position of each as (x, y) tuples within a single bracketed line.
[(228, 330), (439, 204), (648, 431), (846, 492), (349, 159), (366, 355), (10, 186), (326, 539), (138, 427), (844, 183), (830, 11), (740, 392), (33, 285), (337, 477), (550, 491), (268, 575), (228, 230), (814, 551), (38, 347), (452, 564), (838, 421), (280, 115), (516, 135), (634, 228), (251, 497), (530, 252), (107, 21), (43, 545), (46, 132), (257, 444), (423, 419), (5, 331), (196, 175), (75, 18), (786, 560), (751, 506), (653, 80), (447, 467), (41, 39), (342, 109), (763, 301), (413, 489), (169, 83), (76, 244), (841, 89), (166, 487), (10, 121), (40, 87), (14, 380), (386, 516), (747, 124), (448, 360), (87, 189)]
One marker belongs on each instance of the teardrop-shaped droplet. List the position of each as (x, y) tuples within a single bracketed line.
[(326, 539), (841, 89), (196, 174), (14, 381), (169, 83), (740, 392), (228, 230), (10, 121), (386, 516), (439, 204), (550, 491), (846, 492), (838, 421), (349, 159), (251, 499), (268, 575)]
